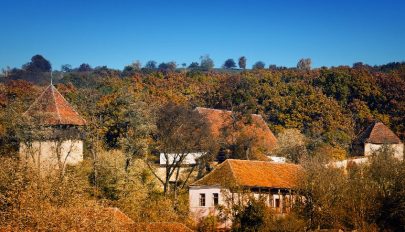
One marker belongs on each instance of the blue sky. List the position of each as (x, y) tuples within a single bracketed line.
[(115, 33)]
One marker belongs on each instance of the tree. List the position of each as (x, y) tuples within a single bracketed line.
[(180, 131), (66, 68), (206, 63), (242, 62), (170, 66), (132, 68), (229, 63), (84, 68), (259, 65), (291, 144), (273, 67), (136, 65), (151, 65), (252, 217), (304, 64), (38, 64), (194, 65)]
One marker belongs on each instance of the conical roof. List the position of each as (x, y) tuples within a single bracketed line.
[(51, 109), (377, 133)]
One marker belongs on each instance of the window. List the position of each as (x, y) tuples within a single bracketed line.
[(215, 197), (202, 199), (277, 203)]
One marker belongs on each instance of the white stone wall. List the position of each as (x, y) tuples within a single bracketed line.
[(190, 158), (369, 148), (225, 199), (194, 196), (52, 154)]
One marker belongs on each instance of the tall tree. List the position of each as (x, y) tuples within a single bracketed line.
[(84, 68), (242, 62), (304, 64), (229, 63), (38, 64), (179, 132), (259, 65), (206, 63), (151, 64)]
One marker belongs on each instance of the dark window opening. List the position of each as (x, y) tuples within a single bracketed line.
[(202, 199), (277, 203), (216, 199)]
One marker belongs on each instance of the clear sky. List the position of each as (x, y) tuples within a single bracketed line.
[(115, 33)]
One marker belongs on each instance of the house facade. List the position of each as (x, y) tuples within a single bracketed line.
[(53, 138), (235, 181), (374, 137)]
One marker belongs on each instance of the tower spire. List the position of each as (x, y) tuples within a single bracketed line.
[(51, 78)]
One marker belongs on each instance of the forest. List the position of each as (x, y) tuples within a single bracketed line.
[(315, 113)]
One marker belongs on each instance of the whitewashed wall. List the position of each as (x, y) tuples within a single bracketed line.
[(198, 211), (190, 158), (369, 148), (44, 154)]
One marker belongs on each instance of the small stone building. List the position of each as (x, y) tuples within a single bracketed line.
[(52, 137), (374, 137)]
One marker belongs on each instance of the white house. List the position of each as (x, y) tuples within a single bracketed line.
[(374, 137), (277, 159), (189, 160), (53, 139), (234, 181)]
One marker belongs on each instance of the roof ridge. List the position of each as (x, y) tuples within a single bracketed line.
[(233, 173), (205, 176), (224, 110), (259, 161), (36, 100), (56, 105), (71, 106)]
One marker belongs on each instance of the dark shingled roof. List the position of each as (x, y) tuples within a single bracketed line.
[(377, 133), (247, 173), (51, 109)]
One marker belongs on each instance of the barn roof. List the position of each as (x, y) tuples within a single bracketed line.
[(247, 173), (256, 126), (377, 133), (51, 108)]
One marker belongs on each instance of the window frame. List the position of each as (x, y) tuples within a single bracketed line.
[(202, 200), (215, 199)]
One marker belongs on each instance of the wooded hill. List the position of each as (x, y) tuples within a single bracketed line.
[(328, 105)]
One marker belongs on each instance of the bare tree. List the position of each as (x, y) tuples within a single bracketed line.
[(304, 64), (180, 131)]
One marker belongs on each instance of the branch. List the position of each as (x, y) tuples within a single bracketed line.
[(153, 172)]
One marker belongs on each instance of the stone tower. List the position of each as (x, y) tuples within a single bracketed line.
[(52, 137)]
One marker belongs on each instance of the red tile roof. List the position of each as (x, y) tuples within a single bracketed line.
[(257, 127), (377, 133), (247, 173), (51, 108)]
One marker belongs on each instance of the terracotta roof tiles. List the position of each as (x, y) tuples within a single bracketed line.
[(257, 127), (51, 108), (247, 173)]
